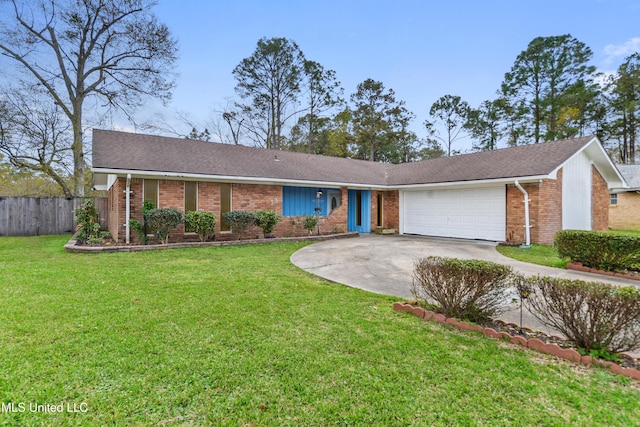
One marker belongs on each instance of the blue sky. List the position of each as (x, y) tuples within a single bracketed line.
[(420, 49)]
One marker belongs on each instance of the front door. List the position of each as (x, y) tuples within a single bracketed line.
[(359, 212)]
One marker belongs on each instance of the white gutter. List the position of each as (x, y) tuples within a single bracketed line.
[(527, 226), (127, 215)]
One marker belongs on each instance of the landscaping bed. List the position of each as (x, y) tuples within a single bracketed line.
[(627, 365), (109, 246)]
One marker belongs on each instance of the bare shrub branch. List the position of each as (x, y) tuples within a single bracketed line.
[(592, 314), (467, 289)]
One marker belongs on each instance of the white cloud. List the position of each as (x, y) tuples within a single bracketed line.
[(613, 51)]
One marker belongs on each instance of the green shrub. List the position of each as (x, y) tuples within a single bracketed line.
[(267, 220), (310, 223), (147, 206), (161, 221), (201, 222), (137, 226), (468, 289), (605, 251), (88, 222), (593, 315), (239, 221)]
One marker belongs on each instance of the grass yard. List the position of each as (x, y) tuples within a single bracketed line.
[(546, 255), (536, 254), (238, 336)]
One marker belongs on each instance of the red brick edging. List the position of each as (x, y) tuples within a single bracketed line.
[(532, 343), (71, 245), (577, 266)]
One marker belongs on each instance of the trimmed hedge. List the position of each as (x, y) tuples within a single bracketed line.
[(267, 220), (604, 251), (161, 221), (201, 222), (240, 221), (593, 315), (466, 289)]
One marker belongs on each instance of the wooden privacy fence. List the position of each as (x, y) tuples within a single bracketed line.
[(26, 216)]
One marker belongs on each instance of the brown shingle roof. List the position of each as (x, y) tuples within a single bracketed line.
[(130, 151), (137, 152), (516, 162)]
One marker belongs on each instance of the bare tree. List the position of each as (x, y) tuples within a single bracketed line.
[(114, 52), (35, 135)]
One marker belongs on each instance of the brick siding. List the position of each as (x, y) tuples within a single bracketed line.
[(391, 210), (626, 214), (249, 197), (545, 211), (599, 201), (549, 211)]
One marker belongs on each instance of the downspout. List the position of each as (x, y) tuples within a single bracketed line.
[(127, 214), (527, 226)]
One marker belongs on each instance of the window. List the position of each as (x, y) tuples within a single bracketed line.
[(333, 199), (150, 191), (190, 196), (613, 199), (379, 209), (225, 205), (190, 201)]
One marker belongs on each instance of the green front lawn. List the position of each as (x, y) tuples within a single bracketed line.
[(536, 254), (239, 336)]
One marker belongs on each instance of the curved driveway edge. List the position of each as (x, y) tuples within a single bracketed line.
[(384, 264)]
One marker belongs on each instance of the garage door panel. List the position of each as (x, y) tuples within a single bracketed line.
[(476, 213)]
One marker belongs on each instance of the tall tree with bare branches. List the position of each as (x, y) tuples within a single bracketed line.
[(86, 53)]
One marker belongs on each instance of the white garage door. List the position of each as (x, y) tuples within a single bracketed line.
[(472, 213)]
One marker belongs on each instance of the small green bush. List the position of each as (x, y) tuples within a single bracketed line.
[(201, 222), (605, 251), (468, 289), (88, 222), (161, 221), (593, 315), (267, 220), (240, 220), (137, 226), (310, 222)]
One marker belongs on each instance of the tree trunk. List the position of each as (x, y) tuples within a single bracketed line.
[(77, 149)]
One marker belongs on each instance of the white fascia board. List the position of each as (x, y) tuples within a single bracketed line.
[(226, 178), (600, 159), (325, 184), (477, 183)]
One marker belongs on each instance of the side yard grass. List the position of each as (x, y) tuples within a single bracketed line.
[(536, 254), (239, 336), (546, 255)]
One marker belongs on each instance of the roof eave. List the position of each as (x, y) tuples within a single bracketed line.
[(601, 160), (231, 178), (473, 183)]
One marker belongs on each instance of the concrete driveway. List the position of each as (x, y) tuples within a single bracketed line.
[(384, 264)]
